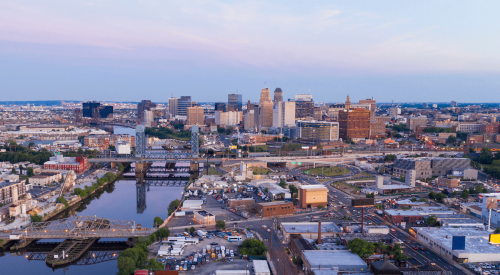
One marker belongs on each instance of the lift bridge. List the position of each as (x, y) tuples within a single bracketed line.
[(83, 227)]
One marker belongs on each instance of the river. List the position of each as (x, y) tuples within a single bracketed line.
[(117, 201)]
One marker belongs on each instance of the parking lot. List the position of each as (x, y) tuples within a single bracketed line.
[(211, 264)]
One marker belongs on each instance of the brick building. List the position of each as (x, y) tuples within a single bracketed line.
[(313, 196), (275, 208), (354, 123), (58, 162)]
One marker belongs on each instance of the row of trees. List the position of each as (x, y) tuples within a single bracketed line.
[(167, 133), (365, 249), (253, 247), (108, 177), (22, 153), (134, 258)]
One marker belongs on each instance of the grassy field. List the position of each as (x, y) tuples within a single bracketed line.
[(260, 171), (349, 188), (328, 171), (212, 171)]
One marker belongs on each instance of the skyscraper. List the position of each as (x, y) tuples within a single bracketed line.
[(182, 104), (221, 107), (195, 116), (278, 95), (373, 107), (304, 106), (283, 114), (172, 106), (265, 111), (142, 106), (95, 110), (354, 123), (234, 102)]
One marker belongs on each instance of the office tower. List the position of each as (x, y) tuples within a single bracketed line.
[(373, 107), (283, 114), (142, 106), (234, 102), (413, 122), (221, 107), (249, 120), (182, 104), (453, 104), (195, 116), (172, 106), (95, 110), (317, 113), (354, 123), (278, 95), (265, 110), (304, 106), (317, 130)]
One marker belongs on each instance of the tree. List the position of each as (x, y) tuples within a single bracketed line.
[(361, 247), (497, 231), (432, 220), (162, 233), (471, 151), (293, 189), (63, 201), (126, 265), (120, 167), (451, 139), (158, 221), (112, 148), (21, 169), (253, 247), (320, 207), (79, 151), (30, 172), (36, 218), (390, 157), (220, 224), (282, 183), (13, 171), (465, 194), (485, 157), (31, 144), (432, 195), (440, 197), (370, 196), (191, 230)]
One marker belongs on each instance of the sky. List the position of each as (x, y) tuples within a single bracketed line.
[(123, 50)]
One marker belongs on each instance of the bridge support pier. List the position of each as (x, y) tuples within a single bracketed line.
[(140, 169), (113, 165)]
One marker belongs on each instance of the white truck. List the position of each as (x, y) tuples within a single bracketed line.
[(201, 233)]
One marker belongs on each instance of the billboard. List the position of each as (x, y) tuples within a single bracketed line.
[(305, 147), (233, 147), (495, 238), (491, 202), (458, 243), (362, 202)]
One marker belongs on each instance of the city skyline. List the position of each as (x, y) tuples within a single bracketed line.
[(388, 50)]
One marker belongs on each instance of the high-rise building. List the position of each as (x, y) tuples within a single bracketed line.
[(304, 106), (453, 104), (348, 103), (95, 110), (283, 114), (265, 111), (147, 118), (182, 104), (373, 107), (413, 122), (234, 102), (172, 106), (195, 116), (142, 106), (317, 130), (220, 106), (317, 113), (278, 95), (354, 123)]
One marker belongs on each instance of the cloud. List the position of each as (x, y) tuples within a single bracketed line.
[(316, 38)]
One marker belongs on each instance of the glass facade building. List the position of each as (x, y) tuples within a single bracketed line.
[(234, 102)]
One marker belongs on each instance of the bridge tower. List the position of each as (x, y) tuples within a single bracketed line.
[(140, 141), (194, 141)]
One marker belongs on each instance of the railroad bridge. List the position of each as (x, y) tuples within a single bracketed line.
[(84, 227)]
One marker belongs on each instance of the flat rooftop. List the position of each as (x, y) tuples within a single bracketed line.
[(309, 227), (273, 202), (394, 186), (476, 241), (314, 186), (332, 258)]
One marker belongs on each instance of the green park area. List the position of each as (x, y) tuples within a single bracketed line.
[(260, 171), (327, 171), (342, 185), (212, 171)]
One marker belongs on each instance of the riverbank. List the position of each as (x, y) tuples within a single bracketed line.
[(81, 198)]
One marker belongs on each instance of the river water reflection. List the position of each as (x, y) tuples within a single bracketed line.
[(119, 202)]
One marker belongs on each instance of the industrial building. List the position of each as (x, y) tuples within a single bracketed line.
[(338, 260), (59, 162), (275, 208), (460, 244), (309, 230), (428, 167), (313, 196)]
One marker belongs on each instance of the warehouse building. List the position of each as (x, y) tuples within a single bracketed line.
[(275, 208), (460, 244), (339, 260), (308, 230)]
